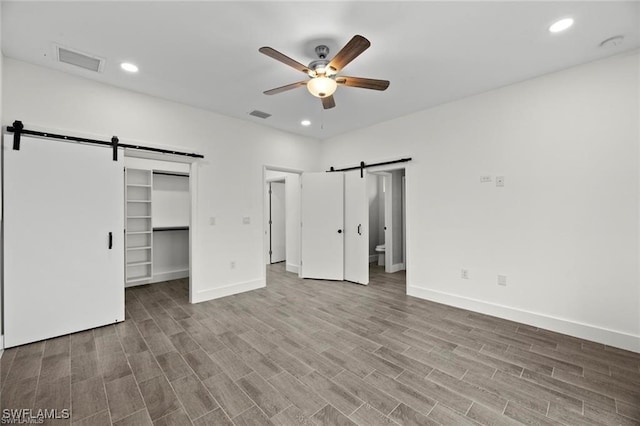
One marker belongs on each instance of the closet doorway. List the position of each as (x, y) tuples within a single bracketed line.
[(281, 218), (158, 205)]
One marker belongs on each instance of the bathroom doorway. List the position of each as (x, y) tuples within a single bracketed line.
[(387, 227)]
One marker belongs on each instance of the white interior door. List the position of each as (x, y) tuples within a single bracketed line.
[(278, 226), (322, 220), (267, 228), (356, 228), (63, 239)]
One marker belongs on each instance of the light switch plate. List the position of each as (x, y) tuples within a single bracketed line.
[(499, 180)]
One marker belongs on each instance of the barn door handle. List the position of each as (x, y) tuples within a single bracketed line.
[(110, 240), (359, 226)]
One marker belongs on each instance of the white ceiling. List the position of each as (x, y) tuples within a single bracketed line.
[(205, 54)]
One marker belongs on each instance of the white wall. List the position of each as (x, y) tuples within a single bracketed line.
[(228, 180), (170, 255), (564, 229), (171, 201)]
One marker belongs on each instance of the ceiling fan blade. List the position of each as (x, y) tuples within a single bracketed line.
[(349, 52), (328, 102), (272, 53), (285, 88), (365, 83)]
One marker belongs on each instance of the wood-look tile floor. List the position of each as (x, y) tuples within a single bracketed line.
[(315, 352)]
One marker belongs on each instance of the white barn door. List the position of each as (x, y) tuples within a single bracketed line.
[(322, 217), (356, 228), (63, 239)]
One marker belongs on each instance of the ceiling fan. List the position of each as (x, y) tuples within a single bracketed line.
[(323, 78)]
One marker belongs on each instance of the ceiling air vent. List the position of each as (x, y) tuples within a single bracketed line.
[(259, 114), (82, 60)]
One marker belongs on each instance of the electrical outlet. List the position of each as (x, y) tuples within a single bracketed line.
[(502, 280), (485, 179), (499, 180), (232, 264), (464, 274), (212, 221)]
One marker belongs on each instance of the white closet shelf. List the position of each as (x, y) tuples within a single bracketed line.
[(147, 262), (139, 252)]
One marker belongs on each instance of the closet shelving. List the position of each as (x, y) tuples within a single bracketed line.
[(139, 226)]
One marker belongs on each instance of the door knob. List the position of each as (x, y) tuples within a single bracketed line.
[(339, 231)]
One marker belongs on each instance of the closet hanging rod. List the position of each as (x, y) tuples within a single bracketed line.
[(363, 166), (18, 129), (171, 228), (185, 175)]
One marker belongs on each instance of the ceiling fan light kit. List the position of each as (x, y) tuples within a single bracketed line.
[(323, 73), (322, 86)]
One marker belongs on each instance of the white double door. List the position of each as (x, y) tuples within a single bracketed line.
[(63, 239), (335, 226)]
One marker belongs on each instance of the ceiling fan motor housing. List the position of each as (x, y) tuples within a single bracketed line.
[(322, 51)]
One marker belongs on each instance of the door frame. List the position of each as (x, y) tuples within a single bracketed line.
[(385, 172), (194, 228), (263, 182)]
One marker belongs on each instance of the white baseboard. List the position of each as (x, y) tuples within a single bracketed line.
[(160, 277), (290, 267), (170, 275), (137, 283), (560, 325), (373, 258), (396, 267), (228, 290)]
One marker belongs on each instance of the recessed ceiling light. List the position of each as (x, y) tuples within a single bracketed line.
[(305, 123), (561, 25), (128, 67)]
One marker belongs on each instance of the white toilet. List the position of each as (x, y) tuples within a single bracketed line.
[(380, 250)]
